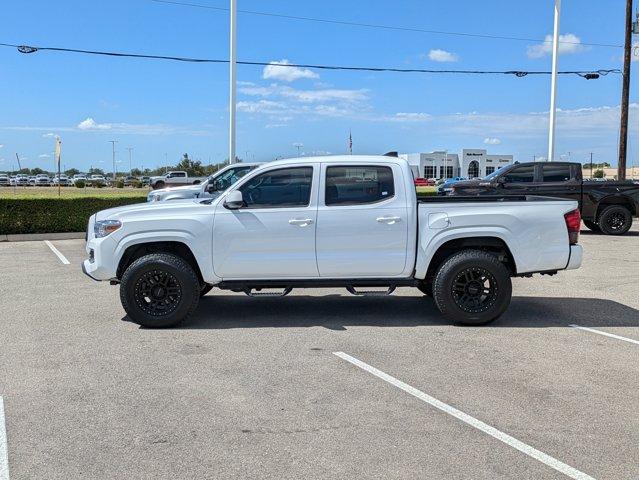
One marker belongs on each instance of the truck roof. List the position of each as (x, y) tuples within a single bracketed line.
[(337, 159)]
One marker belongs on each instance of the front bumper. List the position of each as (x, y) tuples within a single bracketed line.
[(576, 254)]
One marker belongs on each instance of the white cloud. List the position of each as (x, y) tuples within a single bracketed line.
[(276, 71), (492, 141), (568, 43), (410, 117), (438, 55), (48, 135), (306, 96), (1, 145), (44, 155), (90, 124)]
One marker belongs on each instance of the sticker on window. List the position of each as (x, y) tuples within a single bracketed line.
[(384, 194)]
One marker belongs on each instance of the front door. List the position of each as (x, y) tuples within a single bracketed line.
[(273, 235), (362, 221)]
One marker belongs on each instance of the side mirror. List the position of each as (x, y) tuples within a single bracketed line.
[(234, 200)]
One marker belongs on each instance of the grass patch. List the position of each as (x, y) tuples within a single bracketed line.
[(25, 193), (426, 190)]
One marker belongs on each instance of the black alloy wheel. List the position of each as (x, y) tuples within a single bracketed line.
[(475, 290)]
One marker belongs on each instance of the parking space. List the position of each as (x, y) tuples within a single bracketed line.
[(252, 387)]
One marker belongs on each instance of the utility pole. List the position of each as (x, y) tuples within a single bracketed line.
[(113, 142), (591, 166), (232, 79), (130, 149), (553, 82), (625, 94), (298, 146)]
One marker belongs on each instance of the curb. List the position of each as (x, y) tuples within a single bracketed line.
[(30, 237)]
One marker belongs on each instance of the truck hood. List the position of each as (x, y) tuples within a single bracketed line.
[(154, 209), (192, 188)]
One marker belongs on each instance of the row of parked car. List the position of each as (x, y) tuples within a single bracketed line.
[(44, 180)]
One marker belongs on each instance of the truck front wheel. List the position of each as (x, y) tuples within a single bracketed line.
[(158, 185), (472, 287), (159, 290), (615, 220)]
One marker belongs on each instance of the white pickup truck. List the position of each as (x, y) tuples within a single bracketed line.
[(343, 221), (211, 187), (174, 178)]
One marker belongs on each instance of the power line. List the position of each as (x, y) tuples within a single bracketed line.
[(379, 26), (587, 74)]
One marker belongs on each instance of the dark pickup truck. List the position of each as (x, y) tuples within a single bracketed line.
[(606, 206)]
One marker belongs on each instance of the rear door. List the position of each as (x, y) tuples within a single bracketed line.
[(362, 221), (560, 180), (520, 180)]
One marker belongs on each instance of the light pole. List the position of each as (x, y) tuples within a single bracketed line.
[(130, 149), (553, 82), (232, 81), (299, 147), (113, 142)]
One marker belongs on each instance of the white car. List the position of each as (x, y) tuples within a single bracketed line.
[(79, 176), (42, 180), (62, 180), (349, 221), (22, 180), (212, 187), (5, 181), (95, 180)]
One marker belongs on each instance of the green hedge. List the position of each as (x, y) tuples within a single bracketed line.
[(52, 215)]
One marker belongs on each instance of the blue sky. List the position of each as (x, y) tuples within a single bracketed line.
[(161, 107)]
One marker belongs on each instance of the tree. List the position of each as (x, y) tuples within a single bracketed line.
[(96, 171), (72, 171), (598, 173), (136, 172), (191, 167)]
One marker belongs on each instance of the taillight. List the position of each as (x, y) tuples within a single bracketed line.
[(573, 224)]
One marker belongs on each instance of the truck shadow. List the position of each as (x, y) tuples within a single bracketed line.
[(338, 312)]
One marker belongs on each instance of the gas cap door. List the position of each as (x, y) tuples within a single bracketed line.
[(438, 220)]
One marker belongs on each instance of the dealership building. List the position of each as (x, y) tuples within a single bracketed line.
[(471, 163)]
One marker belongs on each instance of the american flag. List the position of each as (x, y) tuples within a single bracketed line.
[(350, 142)]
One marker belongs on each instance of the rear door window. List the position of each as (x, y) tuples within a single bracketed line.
[(524, 174), (555, 173), (355, 185)]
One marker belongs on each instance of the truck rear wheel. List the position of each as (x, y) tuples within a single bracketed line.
[(472, 287), (615, 220), (158, 185), (159, 290), (592, 226)]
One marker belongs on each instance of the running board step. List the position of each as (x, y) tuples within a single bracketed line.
[(371, 293), (258, 293)]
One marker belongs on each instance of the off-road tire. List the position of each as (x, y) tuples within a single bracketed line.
[(142, 272), (615, 220), (158, 185), (592, 226), (449, 295)]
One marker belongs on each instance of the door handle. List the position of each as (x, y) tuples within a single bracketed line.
[(302, 222), (389, 220)]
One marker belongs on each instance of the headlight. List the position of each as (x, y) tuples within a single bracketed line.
[(103, 228)]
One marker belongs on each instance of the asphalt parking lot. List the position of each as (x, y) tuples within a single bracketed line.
[(320, 384)]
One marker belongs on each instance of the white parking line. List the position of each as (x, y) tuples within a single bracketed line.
[(62, 258), (473, 422), (606, 334), (4, 460)]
